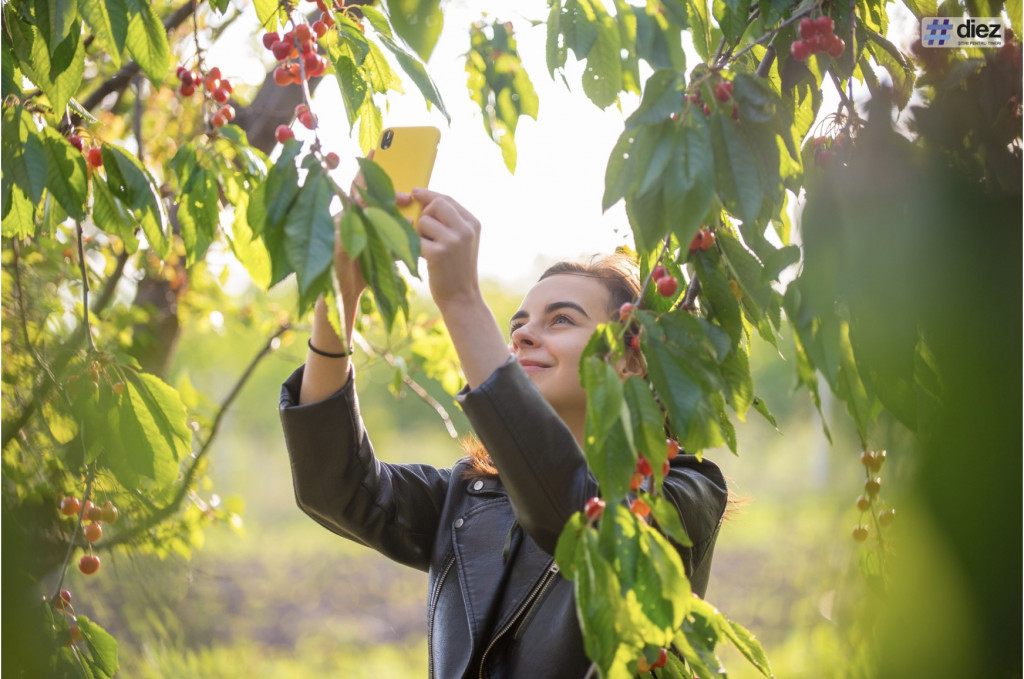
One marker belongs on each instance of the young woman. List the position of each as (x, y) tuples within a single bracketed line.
[(485, 529)]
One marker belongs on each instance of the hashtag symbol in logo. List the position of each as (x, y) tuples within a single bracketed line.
[(937, 32)]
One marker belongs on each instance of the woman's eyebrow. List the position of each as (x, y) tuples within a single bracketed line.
[(554, 306)]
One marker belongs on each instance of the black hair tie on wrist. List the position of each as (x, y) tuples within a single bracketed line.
[(327, 354)]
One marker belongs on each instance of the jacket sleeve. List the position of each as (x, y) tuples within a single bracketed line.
[(545, 472), (339, 482), (537, 457)]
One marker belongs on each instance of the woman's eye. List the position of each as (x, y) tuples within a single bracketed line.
[(561, 318), (515, 326)]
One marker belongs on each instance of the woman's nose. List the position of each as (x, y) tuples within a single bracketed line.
[(523, 337)]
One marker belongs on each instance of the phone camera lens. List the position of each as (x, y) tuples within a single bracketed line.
[(385, 140)]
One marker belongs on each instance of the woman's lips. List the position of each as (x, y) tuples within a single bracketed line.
[(532, 366)]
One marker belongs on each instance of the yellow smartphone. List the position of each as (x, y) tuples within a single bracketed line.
[(407, 154)]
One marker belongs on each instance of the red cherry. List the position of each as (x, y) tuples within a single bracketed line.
[(659, 272), (282, 77), (283, 134), (75, 634), (308, 120), (708, 241), (634, 342), (211, 83), (94, 513), (665, 466), (643, 466), (327, 19), (800, 50), (639, 507), (62, 600), (667, 286), (93, 532), (825, 25), (860, 533), (807, 28), (836, 47), (723, 91), (320, 28), (215, 73), (594, 508), (220, 95), (636, 480), (281, 50), (625, 311), (187, 89), (109, 512), (311, 62), (218, 120), (673, 449), (70, 506), (303, 33), (76, 141), (89, 564), (270, 38), (332, 160), (182, 73), (95, 157), (662, 659)]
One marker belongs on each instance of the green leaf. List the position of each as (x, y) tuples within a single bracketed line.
[(97, 16), (102, 655), (731, 16), (666, 514), (700, 22), (892, 60), (371, 125), (418, 22), (273, 198), (65, 175), (747, 645), (59, 76), (109, 215), (353, 233), (662, 587), (147, 41), (748, 273), (416, 71), (555, 51), (736, 171), (19, 218), (689, 182), (25, 160), (248, 248), (379, 189), (647, 422), (198, 214), (717, 297), (269, 14), (353, 88), (602, 77), (131, 183), (309, 231), (398, 235), (383, 279), (608, 452)]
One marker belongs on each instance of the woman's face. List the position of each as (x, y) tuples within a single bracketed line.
[(549, 332)]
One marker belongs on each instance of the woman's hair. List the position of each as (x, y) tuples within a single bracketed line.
[(619, 273)]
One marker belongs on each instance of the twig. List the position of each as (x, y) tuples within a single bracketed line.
[(767, 60), (772, 34), (690, 296), (162, 513), (411, 383), (85, 287)]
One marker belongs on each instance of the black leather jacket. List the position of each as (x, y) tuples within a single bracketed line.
[(497, 606)]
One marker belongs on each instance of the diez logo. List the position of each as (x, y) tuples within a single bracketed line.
[(961, 32)]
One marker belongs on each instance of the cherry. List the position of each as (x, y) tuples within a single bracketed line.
[(636, 480), (75, 634), (625, 311), (228, 111), (76, 141), (872, 486), (659, 272), (95, 157), (270, 38), (825, 25), (863, 502), (836, 47), (187, 89), (665, 466), (70, 506), (303, 33), (62, 600), (723, 91), (332, 160), (673, 449), (110, 513), (221, 95), (634, 342), (183, 73), (639, 507), (662, 659), (860, 533), (643, 466), (118, 388), (703, 240), (93, 532), (94, 513), (667, 286), (283, 134), (878, 461), (808, 28), (218, 120), (210, 83), (320, 28), (800, 50), (281, 50), (867, 458), (89, 564), (308, 119), (594, 508), (886, 516), (282, 76)]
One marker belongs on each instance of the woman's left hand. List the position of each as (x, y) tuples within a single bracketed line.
[(450, 244)]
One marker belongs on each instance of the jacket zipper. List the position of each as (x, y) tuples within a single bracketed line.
[(531, 599), (433, 607)]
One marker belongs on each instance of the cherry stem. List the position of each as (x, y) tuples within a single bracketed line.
[(85, 288), (771, 34)]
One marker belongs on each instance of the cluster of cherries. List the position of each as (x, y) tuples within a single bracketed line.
[(827, 149), (298, 44), (723, 93), (216, 85), (816, 35), (97, 516), (94, 156), (872, 462)]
